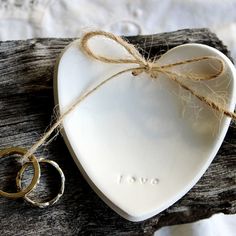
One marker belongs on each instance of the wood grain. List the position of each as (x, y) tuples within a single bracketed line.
[(26, 108)]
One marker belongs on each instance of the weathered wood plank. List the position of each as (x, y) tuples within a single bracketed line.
[(26, 104)]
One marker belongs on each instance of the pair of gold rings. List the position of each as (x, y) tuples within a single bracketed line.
[(24, 192)]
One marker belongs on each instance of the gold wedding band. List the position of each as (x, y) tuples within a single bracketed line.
[(32, 159), (47, 203)]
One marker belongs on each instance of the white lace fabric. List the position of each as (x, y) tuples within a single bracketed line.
[(68, 18), (30, 10)]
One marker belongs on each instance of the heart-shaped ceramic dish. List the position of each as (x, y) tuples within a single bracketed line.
[(141, 144)]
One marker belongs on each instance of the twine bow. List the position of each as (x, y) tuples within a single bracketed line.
[(148, 66), (152, 68)]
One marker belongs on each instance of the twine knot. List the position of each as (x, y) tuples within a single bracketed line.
[(146, 68)]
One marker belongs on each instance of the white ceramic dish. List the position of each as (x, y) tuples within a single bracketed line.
[(141, 144)]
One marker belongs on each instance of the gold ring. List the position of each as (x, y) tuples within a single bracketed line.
[(21, 151), (56, 198)]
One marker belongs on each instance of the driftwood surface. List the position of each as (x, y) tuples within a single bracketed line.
[(26, 105)]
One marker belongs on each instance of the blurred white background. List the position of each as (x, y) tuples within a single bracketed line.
[(22, 19)]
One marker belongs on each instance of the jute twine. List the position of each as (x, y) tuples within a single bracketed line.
[(152, 68)]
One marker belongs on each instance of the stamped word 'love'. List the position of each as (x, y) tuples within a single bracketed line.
[(133, 179)]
